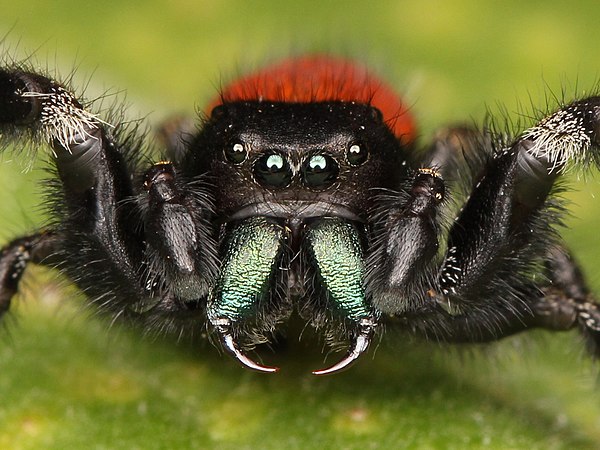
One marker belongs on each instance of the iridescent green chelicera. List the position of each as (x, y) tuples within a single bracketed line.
[(336, 252), (251, 256)]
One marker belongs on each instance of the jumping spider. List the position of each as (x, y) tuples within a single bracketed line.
[(303, 193)]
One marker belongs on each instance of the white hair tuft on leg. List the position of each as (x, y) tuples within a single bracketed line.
[(563, 137), (63, 120)]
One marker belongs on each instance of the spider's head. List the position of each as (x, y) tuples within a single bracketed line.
[(298, 160)]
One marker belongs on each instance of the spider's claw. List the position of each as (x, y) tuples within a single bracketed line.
[(358, 347), (232, 348)]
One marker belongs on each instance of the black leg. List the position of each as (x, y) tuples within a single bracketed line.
[(489, 284), (148, 252), (509, 218), (567, 302), (37, 248), (103, 234), (561, 304)]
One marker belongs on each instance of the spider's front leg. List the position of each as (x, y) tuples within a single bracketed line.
[(504, 270), (96, 241)]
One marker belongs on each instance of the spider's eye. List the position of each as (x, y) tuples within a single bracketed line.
[(320, 171), (236, 153), (272, 170), (357, 154)]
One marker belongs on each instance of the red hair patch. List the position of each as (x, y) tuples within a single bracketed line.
[(321, 79)]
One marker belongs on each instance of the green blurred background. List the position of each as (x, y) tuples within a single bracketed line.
[(70, 380)]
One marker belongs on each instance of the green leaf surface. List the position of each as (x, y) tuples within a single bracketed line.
[(71, 379)]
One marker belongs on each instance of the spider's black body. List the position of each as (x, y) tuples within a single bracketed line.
[(314, 205)]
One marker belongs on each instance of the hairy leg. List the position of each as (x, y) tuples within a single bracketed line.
[(38, 248), (97, 233), (504, 271)]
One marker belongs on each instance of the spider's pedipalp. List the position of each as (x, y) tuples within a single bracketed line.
[(174, 221), (404, 243)]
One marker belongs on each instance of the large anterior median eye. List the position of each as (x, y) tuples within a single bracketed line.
[(320, 171), (272, 170)]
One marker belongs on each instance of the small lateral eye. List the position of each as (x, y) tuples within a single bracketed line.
[(357, 154), (236, 153), (320, 171)]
